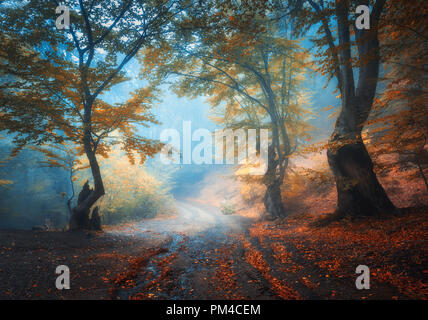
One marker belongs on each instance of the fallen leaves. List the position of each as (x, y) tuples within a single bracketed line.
[(255, 258), (395, 249), (125, 279)]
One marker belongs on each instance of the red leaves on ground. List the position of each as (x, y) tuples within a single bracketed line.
[(394, 249), (255, 258)]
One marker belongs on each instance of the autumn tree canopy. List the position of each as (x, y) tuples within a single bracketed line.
[(53, 80)]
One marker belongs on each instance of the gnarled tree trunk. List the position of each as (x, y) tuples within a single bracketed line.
[(359, 193), (95, 221), (80, 218)]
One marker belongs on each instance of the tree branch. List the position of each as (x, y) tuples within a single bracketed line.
[(330, 41)]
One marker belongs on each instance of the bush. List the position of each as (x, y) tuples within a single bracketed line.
[(133, 192)]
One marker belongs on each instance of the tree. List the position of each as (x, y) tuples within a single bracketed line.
[(53, 80), (38, 192), (251, 75), (355, 52)]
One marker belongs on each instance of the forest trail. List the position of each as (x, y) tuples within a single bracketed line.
[(209, 255), (199, 253), (193, 218), (198, 236)]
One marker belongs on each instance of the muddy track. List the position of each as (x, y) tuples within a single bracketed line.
[(208, 255), (197, 236), (193, 261)]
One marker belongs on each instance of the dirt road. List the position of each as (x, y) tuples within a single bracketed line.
[(216, 256), (200, 236), (202, 254)]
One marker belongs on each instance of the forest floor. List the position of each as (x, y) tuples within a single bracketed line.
[(202, 254)]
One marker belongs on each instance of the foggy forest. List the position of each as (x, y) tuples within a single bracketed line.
[(215, 149)]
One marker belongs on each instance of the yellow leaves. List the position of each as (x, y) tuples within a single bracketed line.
[(127, 187), (401, 107), (313, 148), (107, 118), (335, 114), (4, 182), (154, 56), (327, 108)]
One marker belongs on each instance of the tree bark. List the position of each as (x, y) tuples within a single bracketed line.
[(80, 218), (421, 171), (70, 211), (95, 221)]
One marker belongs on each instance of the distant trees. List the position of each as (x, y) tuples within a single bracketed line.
[(39, 177), (135, 191), (53, 80), (4, 158), (251, 75)]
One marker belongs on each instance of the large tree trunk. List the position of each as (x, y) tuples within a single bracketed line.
[(95, 221), (273, 201), (359, 193), (421, 171), (80, 218)]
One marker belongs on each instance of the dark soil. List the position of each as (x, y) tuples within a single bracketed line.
[(28, 260)]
